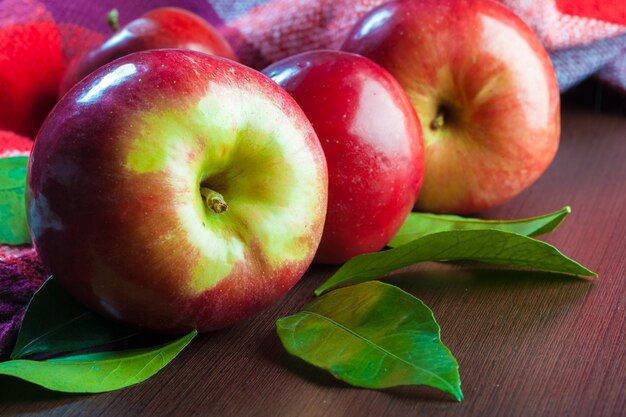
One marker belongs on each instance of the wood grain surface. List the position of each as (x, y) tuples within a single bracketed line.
[(528, 344)]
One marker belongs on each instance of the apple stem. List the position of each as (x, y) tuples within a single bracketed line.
[(437, 122), (214, 200), (113, 20)]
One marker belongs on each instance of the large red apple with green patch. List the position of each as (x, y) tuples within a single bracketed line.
[(372, 141), (174, 190), (483, 87)]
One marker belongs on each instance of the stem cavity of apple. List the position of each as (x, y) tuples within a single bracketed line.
[(439, 119), (214, 200), (437, 122), (113, 20)]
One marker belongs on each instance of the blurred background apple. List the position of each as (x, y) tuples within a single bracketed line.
[(483, 87)]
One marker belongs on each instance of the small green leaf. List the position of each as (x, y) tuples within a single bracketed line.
[(372, 335), (421, 224), (55, 323), (13, 226), (97, 372), (489, 246)]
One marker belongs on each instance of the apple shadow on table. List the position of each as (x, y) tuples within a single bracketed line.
[(493, 291), (31, 397), (544, 296), (460, 277)]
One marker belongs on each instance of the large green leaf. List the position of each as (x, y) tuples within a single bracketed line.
[(13, 226), (55, 323), (97, 372), (490, 246), (372, 335), (421, 224)]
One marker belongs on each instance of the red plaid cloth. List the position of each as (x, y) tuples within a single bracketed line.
[(39, 37)]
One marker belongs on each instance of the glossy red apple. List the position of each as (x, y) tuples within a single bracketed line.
[(173, 190), (372, 142), (483, 87), (165, 27)]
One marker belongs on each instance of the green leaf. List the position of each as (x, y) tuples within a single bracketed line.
[(421, 224), (490, 246), (13, 226), (372, 335), (97, 372), (55, 323)]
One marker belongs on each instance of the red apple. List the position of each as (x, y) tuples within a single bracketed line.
[(483, 87), (372, 142), (165, 27), (172, 190)]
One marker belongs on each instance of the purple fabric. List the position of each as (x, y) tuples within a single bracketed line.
[(20, 277), (576, 63), (93, 14)]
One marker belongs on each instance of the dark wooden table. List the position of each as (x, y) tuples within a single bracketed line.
[(528, 344)]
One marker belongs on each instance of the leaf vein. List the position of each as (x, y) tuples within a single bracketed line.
[(380, 348)]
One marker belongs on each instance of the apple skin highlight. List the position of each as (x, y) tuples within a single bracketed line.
[(484, 89), (115, 191)]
